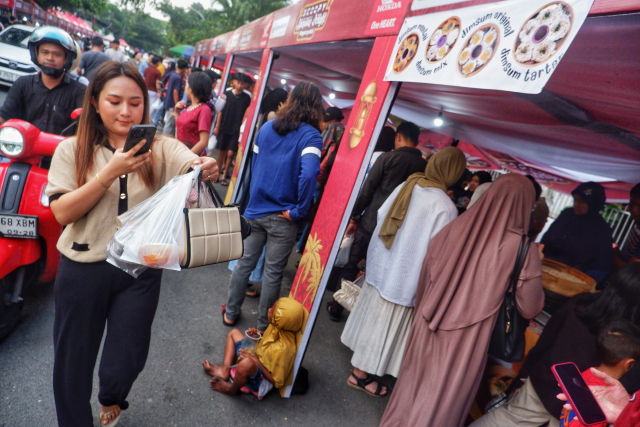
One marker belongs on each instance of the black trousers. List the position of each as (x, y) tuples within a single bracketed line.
[(358, 252), (89, 296)]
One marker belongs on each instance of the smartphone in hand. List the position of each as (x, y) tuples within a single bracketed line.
[(136, 134), (577, 391)]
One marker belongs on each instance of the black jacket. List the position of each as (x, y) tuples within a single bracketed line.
[(47, 109), (390, 170)]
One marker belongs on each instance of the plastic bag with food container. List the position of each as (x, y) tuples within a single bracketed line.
[(152, 233)]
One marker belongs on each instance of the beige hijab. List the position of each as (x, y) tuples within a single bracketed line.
[(443, 170), (466, 271)]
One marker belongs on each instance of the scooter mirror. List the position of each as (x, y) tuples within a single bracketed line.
[(76, 113)]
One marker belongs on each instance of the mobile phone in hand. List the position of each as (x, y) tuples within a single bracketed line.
[(136, 134), (577, 391)]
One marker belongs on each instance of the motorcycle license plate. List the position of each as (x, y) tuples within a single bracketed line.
[(19, 226)]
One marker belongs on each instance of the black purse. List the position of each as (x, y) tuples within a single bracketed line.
[(507, 340)]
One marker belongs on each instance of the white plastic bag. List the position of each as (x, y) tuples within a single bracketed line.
[(343, 254), (213, 141), (152, 233), (156, 104)]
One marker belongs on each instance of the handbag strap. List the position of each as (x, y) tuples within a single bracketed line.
[(217, 200), (520, 260)]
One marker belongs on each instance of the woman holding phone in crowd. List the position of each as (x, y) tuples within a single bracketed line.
[(91, 182)]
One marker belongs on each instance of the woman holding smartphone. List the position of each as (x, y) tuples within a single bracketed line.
[(91, 182)]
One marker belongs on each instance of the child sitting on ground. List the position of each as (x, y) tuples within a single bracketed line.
[(618, 349), (274, 356)]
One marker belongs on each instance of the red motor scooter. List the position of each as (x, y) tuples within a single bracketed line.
[(28, 230)]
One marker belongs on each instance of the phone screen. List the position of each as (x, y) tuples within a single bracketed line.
[(580, 396)]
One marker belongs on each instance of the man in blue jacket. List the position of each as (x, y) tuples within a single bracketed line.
[(286, 162)]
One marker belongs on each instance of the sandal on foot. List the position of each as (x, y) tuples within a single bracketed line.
[(224, 322), (332, 316), (251, 292), (362, 383), (224, 182), (112, 423)]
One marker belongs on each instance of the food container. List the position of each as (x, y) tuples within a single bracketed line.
[(564, 280), (250, 342), (159, 255)]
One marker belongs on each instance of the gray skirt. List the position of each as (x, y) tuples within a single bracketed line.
[(377, 332)]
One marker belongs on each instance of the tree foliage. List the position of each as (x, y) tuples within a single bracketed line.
[(138, 29), (91, 6), (190, 25)]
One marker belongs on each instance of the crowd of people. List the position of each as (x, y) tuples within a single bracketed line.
[(430, 238)]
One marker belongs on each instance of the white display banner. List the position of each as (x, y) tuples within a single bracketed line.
[(512, 45), (423, 4)]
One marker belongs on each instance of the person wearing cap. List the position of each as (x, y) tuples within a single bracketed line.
[(580, 237), (331, 127), (46, 99), (229, 122), (114, 51), (390, 170), (92, 59)]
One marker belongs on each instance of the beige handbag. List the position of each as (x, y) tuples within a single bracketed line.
[(213, 235), (349, 293)]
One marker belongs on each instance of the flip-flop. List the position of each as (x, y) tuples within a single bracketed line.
[(251, 293), (224, 182), (361, 383), (224, 322), (112, 423)]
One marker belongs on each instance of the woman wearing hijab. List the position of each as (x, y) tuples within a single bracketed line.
[(479, 178), (580, 237), (416, 211), (274, 356), (459, 294)]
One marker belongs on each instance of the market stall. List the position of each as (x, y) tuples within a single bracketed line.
[(576, 125), (23, 11), (6, 8)]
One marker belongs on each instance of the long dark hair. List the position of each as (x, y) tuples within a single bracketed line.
[(304, 105), (200, 85), (91, 130), (272, 101), (620, 300)]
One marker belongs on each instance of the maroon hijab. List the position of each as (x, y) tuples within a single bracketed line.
[(466, 271)]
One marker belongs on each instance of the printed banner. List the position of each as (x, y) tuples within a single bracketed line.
[(425, 4), (386, 17), (512, 45)]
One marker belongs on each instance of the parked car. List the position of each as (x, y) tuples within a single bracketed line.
[(15, 60)]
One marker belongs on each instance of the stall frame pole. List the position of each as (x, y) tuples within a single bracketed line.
[(342, 191), (249, 126)]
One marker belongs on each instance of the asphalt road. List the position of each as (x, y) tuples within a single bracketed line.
[(173, 390)]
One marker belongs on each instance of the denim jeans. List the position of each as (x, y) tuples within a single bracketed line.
[(169, 123), (159, 114), (279, 236)]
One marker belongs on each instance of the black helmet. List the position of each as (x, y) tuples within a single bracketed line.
[(55, 35)]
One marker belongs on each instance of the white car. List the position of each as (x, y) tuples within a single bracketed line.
[(15, 60)]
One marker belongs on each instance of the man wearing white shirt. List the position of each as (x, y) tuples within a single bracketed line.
[(114, 53)]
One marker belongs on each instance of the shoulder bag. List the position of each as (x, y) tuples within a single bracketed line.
[(507, 340), (213, 235)]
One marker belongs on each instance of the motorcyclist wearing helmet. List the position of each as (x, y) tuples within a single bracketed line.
[(46, 99)]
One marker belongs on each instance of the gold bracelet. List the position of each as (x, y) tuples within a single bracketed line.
[(101, 183)]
